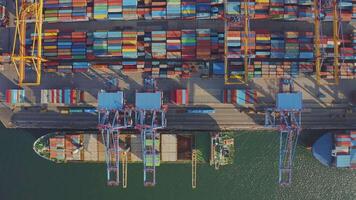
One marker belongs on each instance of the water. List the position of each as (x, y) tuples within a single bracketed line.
[(25, 176)]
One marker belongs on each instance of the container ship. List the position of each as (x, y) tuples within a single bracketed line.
[(336, 149), (63, 147)]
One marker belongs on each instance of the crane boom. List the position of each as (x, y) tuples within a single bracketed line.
[(246, 38), (317, 40), (336, 41)]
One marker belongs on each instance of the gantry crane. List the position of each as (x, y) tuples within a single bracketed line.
[(113, 116), (231, 21), (319, 6), (28, 11), (286, 116), (150, 115)]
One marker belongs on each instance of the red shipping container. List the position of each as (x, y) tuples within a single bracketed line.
[(8, 96)]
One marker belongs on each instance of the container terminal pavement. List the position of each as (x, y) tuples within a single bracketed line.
[(324, 106)]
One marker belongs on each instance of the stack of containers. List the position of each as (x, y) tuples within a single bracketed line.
[(100, 43), (327, 43), (347, 71), (251, 43), (276, 10), (306, 50), (346, 48), (143, 10), (158, 9), (129, 11), (130, 66), (141, 45), (173, 9), (217, 9), (158, 44), (64, 45), (294, 69), (342, 150), (148, 45), (188, 9), (203, 44), (90, 43), (178, 68), (291, 45), (328, 14), (277, 45), (115, 43), (50, 66), (65, 68), (51, 8), (129, 42), (235, 67), (263, 44), (262, 9), (15, 96), (180, 96), (56, 147), (250, 7), (186, 67), (345, 7), (174, 45), (305, 10), (354, 42), (221, 41), (240, 97), (188, 44), (263, 67), (353, 10), (79, 45), (50, 43), (81, 66), (79, 10), (100, 9), (115, 9), (233, 41), (233, 7), (306, 67), (155, 69), (214, 38), (62, 96), (203, 9), (65, 10), (353, 149), (257, 69), (290, 9)]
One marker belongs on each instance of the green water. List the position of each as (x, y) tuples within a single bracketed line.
[(25, 176)]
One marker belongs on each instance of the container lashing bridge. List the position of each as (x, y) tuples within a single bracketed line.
[(149, 117), (113, 116), (286, 116)]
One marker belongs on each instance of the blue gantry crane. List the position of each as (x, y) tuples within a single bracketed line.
[(286, 116), (113, 116), (150, 116)]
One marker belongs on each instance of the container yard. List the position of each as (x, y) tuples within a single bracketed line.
[(141, 78)]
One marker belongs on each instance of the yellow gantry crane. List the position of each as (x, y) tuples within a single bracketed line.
[(246, 38), (246, 30), (336, 40), (26, 11)]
